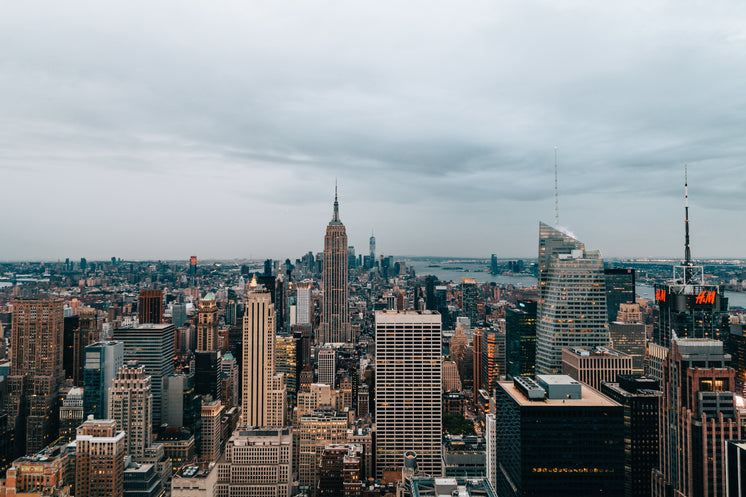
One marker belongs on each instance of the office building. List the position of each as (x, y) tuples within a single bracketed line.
[(492, 361), (131, 406), (520, 339), (151, 345), (572, 299), (315, 430), (74, 344), (211, 431), (230, 392), (264, 392), (420, 486), (595, 366), (408, 388), (150, 306), (45, 474), (630, 339), (363, 401), (335, 319), (490, 435), (641, 400), (303, 303), (179, 314), (99, 459), (469, 293), (286, 363), (620, 289), (71, 413), (207, 324), (102, 362), (327, 366), (257, 462), (464, 456), (35, 372), (340, 470), (208, 373), (688, 305), (451, 379), (181, 404), (195, 481), (142, 480), (698, 417), (530, 459)]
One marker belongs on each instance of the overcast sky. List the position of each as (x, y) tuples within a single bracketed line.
[(164, 129)]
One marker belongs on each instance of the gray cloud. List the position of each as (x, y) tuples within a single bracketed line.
[(438, 120)]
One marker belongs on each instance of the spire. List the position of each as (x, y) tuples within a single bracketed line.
[(687, 249), (335, 218)]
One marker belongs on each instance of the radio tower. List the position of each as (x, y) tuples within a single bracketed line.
[(556, 191)]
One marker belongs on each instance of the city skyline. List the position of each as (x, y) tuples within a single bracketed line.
[(136, 131)]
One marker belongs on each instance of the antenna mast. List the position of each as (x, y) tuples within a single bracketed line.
[(687, 249), (556, 191)]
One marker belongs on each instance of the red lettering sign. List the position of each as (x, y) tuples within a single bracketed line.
[(660, 295), (705, 297)]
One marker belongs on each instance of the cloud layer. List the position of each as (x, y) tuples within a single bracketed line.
[(158, 131)]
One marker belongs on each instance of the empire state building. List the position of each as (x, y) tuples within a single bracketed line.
[(335, 318)]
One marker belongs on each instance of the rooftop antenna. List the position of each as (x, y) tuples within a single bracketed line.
[(687, 249), (556, 191)]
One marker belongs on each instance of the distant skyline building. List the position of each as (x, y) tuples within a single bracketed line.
[(150, 306), (408, 389), (572, 298), (335, 319), (469, 299), (151, 345), (35, 372), (207, 324), (620, 289)]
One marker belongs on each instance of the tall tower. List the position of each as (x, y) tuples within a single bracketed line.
[(131, 406), (150, 306), (35, 372), (572, 299), (263, 390), (408, 388), (207, 324), (372, 244), (335, 319)]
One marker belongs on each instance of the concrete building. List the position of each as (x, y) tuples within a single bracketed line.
[(50, 473), (340, 470), (572, 299), (151, 345), (451, 378), (303, 303), (35, 372), (408, 389), (257, 462), (207, 324), (195, 481), (211, 431), (335, 318), (71, 414), (264, 391), (315, 430), (327, 366), (595, 366), (131, 406), (99, 459)]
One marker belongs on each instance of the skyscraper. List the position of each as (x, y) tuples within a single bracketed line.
[(327, 367), (335, 318), (408, 388), (207, 324), (372, 245), (303, 303), (263, 389), (131, 406), (151, 345), (620, 289), (35, 372), (150, 306), (520, 339), (572, 298), (469, 299), (102, 362)]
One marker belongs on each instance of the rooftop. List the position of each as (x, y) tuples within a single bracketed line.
[(589, 397), (451, 487)]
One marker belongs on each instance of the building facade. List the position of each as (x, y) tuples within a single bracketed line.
[(335, 318)]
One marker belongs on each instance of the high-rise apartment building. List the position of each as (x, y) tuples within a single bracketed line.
[(35, 372), (698, 417), (99, 459), (150, 306), (520, 339), (257, 462), (151, 345), (620, 289), (335, 318), (530, 459), (408, 388), (100, 367), (131, 406), (207, 324), (263, 389), (572, 298)]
